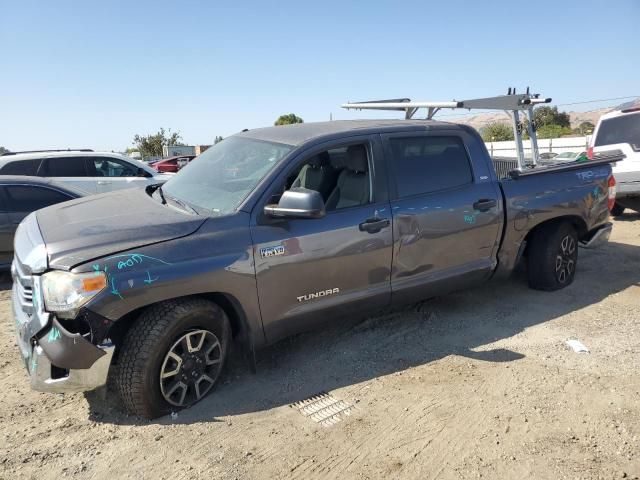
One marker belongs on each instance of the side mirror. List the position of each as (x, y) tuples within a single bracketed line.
[(297, 203)]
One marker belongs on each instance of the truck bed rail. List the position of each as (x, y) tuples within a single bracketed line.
[(502, 165)]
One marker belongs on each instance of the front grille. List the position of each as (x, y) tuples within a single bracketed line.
[(24, 283)]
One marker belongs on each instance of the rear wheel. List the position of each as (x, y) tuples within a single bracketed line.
[(617, 210), (172, 356), (552, 257)]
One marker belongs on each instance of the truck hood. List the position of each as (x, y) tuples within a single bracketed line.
[(81, 230)]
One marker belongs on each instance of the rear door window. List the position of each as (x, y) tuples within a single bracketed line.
[(429, 164), (112, 167), (21, 167), (27, 198), (624, 129), (63, 167)]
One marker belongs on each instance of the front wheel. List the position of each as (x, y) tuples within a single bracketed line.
[(552, 257), (172, 356)]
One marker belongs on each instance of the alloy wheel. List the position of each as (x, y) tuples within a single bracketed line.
[(190, 368), (565, 259)]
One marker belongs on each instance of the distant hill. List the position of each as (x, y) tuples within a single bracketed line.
[(482, 119)]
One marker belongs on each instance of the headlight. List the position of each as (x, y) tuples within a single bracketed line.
[(65, 292)]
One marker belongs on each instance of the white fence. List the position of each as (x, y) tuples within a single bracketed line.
[(554, 145)]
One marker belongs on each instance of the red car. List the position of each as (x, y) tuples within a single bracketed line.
[(171, 164)]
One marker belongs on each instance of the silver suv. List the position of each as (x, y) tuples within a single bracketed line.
[(93, 172)]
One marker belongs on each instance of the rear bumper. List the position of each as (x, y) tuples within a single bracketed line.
[(597, 237)]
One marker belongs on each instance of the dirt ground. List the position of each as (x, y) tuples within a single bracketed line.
[(475, 384)]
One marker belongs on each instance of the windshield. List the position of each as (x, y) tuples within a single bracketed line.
[(219, 179), (624, 129)]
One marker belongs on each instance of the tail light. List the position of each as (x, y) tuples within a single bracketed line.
[(612, 192), (590, 154)]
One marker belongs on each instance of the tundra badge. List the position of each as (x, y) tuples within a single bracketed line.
[(322, 293)]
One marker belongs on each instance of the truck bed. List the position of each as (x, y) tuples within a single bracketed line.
[(507, 167), (575, 192)]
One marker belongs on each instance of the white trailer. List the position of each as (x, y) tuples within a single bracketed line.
[(178, 150)]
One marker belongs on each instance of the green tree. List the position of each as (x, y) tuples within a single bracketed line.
[(496, 132), (289, 119), (218, 139), (3, 150), (553, 131), (151, 145), (586, 128), (550, 116)]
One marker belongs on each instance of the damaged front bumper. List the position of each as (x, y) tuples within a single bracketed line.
[(56, 360), (47, 377)]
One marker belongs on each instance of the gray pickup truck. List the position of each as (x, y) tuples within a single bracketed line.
[(273, 231)]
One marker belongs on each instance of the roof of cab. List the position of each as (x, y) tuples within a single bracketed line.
[(303, 132)]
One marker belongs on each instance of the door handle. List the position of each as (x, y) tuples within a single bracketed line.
[(374, 225), (485, 204), (103, 182)]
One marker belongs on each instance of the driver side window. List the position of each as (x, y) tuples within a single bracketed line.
[(340, 175)]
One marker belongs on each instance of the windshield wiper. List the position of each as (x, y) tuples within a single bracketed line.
[(177, 201), (184, 205)]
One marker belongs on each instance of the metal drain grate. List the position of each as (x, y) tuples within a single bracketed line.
[(324, 409)]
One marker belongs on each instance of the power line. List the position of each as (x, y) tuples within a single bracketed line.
[(597, 101)]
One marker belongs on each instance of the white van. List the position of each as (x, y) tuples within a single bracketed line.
[(620, 130)]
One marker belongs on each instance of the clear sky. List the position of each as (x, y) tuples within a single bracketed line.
[(95, 73)]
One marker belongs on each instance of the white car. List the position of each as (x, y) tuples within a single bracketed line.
[(93, 172), (567, 157), (620, 130)]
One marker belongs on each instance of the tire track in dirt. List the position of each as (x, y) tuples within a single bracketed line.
[(438, 433)]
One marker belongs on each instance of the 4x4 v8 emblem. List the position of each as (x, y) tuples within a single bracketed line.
[(271, 251)]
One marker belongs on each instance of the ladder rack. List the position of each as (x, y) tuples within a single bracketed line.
[(511, 103)]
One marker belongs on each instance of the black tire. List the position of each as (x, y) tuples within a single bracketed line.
[(171, 326), (552, 257), (617, 210)]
